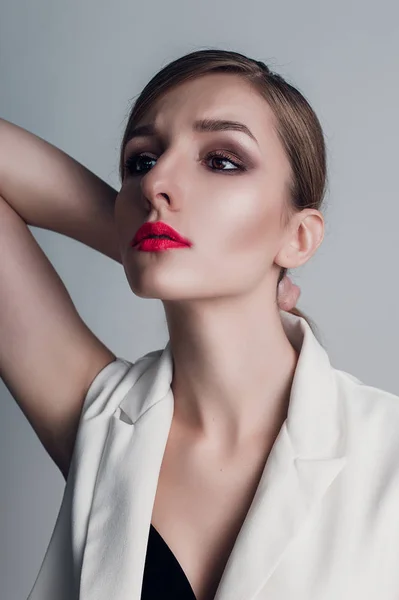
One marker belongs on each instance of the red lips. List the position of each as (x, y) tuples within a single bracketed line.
[(158, 228)]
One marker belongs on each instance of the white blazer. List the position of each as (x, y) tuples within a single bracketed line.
[(324, 521)]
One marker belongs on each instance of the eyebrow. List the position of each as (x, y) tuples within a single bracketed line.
[(203, 125)]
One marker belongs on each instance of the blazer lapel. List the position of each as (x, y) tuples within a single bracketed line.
[(115, 550), (288, 492), (307, 456)]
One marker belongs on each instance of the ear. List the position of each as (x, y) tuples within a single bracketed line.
[(303, 236)]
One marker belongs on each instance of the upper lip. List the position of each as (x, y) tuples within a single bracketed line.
[(158, 228)]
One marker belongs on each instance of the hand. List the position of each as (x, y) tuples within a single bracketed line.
[(288, 294)]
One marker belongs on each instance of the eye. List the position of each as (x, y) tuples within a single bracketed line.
[(222, 157), (132, 162), (130, 166)]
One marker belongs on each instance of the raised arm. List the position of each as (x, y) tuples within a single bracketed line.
[(48, 356), (49, 189)]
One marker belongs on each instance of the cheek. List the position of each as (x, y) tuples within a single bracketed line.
[(245, 221), (255, 245)]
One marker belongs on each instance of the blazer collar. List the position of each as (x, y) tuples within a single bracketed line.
[(306, 457)]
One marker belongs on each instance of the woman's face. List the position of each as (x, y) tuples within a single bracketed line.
[(230, 207)]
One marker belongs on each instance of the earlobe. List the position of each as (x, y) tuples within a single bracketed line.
[(306, 233)]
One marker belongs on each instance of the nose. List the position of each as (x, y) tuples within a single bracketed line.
[(161, 186)]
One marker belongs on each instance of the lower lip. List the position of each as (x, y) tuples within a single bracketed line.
[(157, 245)]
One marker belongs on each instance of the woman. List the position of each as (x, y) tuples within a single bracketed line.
[(236, 463)]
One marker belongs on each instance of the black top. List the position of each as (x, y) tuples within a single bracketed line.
[(163, 578)]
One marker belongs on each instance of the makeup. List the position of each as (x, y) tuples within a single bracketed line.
[(157, 245), (159, 236)]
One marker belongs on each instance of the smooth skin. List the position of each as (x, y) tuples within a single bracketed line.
[(48, 356), (233, 361)]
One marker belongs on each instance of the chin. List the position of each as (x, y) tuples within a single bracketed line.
[(152, 288)]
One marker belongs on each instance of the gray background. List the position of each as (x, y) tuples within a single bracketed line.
[(68, 71)]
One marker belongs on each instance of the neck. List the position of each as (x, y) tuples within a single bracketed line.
[(233, 369)]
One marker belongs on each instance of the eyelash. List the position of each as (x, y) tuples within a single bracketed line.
[(130, 162)]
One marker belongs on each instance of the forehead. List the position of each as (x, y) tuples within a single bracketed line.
[(214, 96)]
